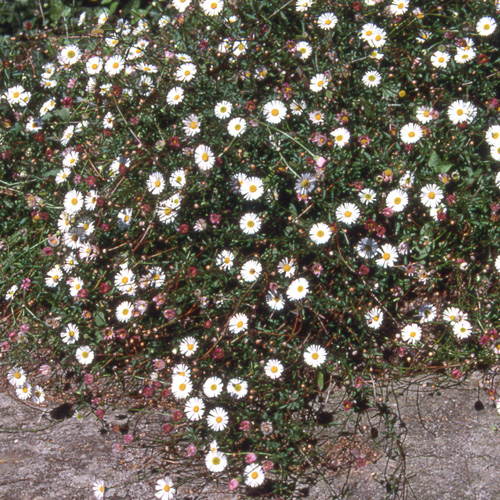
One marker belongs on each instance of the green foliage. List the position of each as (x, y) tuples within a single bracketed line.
[(127, 244)]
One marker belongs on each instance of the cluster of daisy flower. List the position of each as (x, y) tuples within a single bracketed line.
[(210, 197), (18, 379)]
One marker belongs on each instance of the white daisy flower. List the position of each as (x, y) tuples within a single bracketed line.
[(388, 255), (411, 133), (486, 26), (223, 109), (236, 127), (340, 136), (320, 233), (165, 487), (250, 223), (298, 289), (315, 355), (238, 323), (212, 387), (84, 355), (155, 183), (217, 419), (185, 72), (374, 318), (251, 270), (273, 369), (348, 213), (237, 388), (175, 96), (431, 195), (411, 333)]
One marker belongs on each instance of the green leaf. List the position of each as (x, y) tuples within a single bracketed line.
[(320, 381), (100, 319), (442, 169), (51, 172), (63, 114), (434, 160)]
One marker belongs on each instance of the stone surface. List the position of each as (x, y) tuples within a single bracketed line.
[(434, 443)]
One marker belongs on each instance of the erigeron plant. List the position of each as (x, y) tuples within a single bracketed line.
[(232, 202)]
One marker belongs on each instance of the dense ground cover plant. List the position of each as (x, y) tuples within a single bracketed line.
[(236, 203)]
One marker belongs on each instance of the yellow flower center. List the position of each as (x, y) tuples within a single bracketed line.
[(255, 475), (157, 184), (17, 375), (401, 5), (431, 195), (369, 33), (371, 78), (216, 461), (460, 112), (213, 387), (85, 354), (495, 135), (300, 289), (196, 409), (386, 256), (237, 387), (287, 268), (314, 355), (253, 188), (94, 66), (16, 95), (275, 112), (426, 113), (218, 420), (441, 59), (239, 324), (193, 125), (71, 333), (411, 134), (274, 369), (124, 312), (190, 347), (182, 387), (124, 280), (320, 234), (347, 214), (397, 201), (71, 53), (166, 488), (250, 223), (305, 183), (413, 334), (237, 127), (167, 211), (486, 26), (74, 201)]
